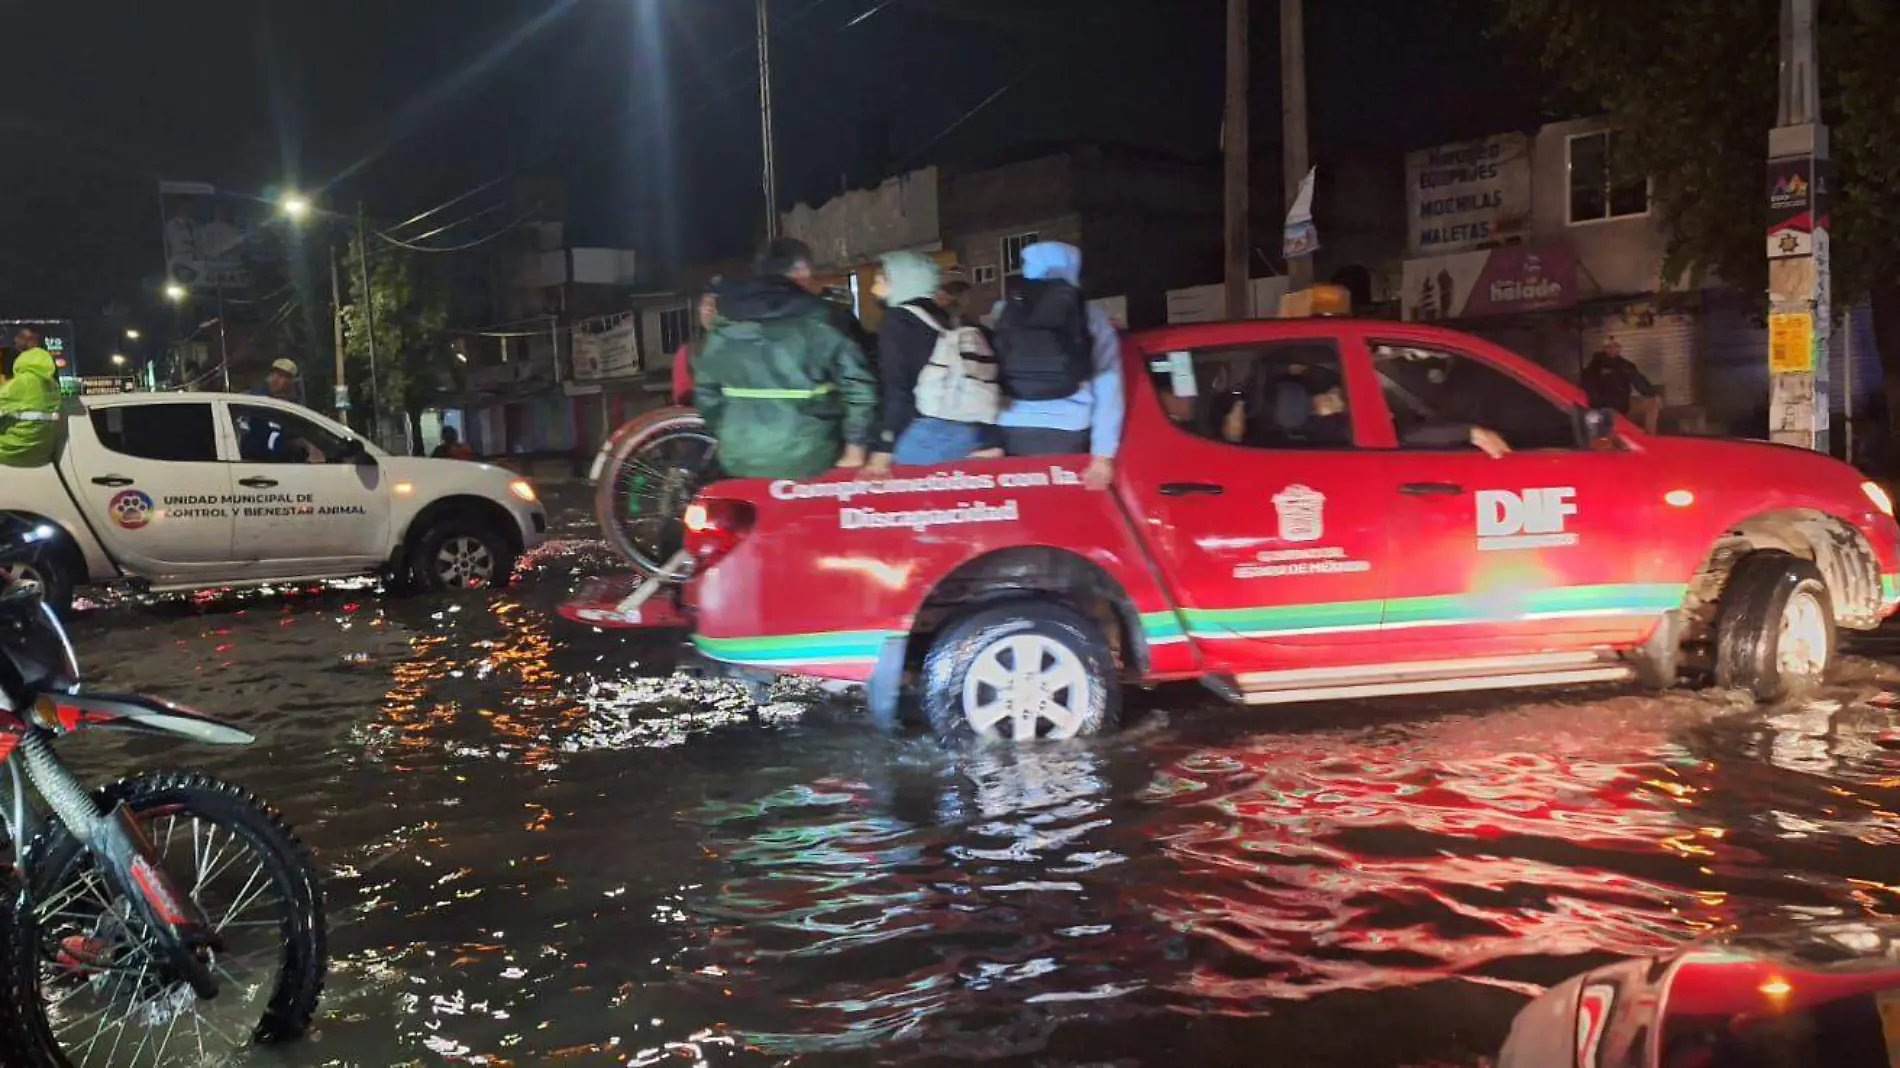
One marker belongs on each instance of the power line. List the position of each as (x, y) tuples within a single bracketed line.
[(1000, 92), (477, 243), (621, 114), (445, 227)]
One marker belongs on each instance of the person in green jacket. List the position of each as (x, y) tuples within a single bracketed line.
[(29, 405), (786, 393)]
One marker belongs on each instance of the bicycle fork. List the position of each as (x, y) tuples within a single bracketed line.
[(119, 845)]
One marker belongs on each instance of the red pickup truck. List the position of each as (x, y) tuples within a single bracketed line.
[(1281, 553)]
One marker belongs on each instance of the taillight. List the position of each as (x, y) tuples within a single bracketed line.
[(715, 527)]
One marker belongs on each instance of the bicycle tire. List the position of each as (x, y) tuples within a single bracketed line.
[(55, 857), (640, 520)]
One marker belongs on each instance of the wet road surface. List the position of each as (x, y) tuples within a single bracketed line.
[(542, 848)]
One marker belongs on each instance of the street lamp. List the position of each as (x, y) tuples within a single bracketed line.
[(174, 291), (294, 205), (131, 333), (118, 360)]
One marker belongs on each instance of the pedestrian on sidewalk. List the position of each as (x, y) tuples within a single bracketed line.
[(1061, 366)]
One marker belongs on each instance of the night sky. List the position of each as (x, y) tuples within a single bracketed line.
[(646, 108)]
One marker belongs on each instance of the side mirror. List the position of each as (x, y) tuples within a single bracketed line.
[(1599, 425), (354, 452)]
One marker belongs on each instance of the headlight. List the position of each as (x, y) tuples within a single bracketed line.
[(523, 489), (1878, 496)]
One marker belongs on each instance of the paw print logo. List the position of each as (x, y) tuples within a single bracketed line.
[(130, 510)]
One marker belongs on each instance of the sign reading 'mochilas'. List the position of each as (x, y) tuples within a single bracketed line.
[(1467, 195)]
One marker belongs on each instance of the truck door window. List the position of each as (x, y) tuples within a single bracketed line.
[(175, 433), (1436, 397), (271, 436), (1281, 395)]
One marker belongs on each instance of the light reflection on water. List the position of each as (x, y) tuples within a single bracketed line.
[(543, 847)]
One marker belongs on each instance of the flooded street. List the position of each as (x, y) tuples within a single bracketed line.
[(540, 847)]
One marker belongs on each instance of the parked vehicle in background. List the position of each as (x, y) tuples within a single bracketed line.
[(1346, 549), (182, 491), (168, 918)]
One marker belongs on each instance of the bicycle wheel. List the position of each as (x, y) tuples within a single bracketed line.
[(656, 467), (78, 954)]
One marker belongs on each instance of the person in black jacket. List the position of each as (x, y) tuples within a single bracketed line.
[(907, 284)]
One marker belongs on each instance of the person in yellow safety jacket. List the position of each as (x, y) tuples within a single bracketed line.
[(29, 405)]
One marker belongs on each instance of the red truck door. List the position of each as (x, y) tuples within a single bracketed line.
[(1265, 518), (1531, 552)]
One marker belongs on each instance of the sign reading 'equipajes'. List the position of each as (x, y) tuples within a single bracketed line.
[(1467, 195)]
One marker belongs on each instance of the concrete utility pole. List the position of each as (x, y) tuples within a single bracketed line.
[(765, 122), (1801, 316), (369, 322), (1235, 145), (341, 394), (1293, 122)]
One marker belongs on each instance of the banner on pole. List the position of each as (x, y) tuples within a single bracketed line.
[(1302, 237)]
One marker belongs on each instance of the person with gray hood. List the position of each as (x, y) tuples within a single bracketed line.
[(907, 284)]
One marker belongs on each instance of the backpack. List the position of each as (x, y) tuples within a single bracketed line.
[(1043, 343), (959, 382)]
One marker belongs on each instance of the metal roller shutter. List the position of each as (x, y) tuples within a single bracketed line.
[(1661, 344)]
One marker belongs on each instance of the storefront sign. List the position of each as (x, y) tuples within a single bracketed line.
[(606, 348), (1499, 281), (1790, 342), (1467, 195)]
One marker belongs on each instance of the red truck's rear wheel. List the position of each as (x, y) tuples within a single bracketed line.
[(1021, 671)]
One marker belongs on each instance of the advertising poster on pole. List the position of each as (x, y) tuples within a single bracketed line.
[(1790, 342)]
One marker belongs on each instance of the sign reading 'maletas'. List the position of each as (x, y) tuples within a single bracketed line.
[(1467, 195)]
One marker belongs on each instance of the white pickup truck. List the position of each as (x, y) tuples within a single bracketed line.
[(183, 491)]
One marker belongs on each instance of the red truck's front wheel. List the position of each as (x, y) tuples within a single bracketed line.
[(1019, 672)]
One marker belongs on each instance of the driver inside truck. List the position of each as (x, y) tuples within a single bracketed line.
[(1300, 403)]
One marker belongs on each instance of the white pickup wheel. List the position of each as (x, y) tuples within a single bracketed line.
[(49, 570), (1021, 672), (1775, 629), (462, 553)]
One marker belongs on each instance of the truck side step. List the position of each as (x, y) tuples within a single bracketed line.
[(1419, 677)]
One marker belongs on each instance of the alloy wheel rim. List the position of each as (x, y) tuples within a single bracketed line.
[(1027, 686), (464, 563), (15, 574), (109, 1002), (1802, 650)]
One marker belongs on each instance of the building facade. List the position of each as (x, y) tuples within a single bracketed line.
[(1541, 242)]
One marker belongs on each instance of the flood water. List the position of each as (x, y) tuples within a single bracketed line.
[(540, 847)]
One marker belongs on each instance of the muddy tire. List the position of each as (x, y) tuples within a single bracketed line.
[(461, 552), (1775, 627), (54, 917), (1019, 672)]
